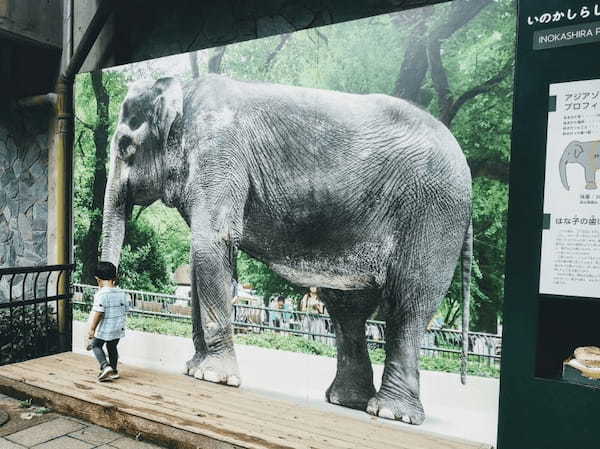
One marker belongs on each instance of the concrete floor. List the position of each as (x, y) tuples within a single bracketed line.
[(54, 431), (469, 412)]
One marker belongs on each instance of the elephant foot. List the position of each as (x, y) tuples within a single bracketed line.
[(591, 186), (217, 368), (192, 364), (351, 394), (402, 409)]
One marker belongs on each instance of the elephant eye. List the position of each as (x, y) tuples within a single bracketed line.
[(124, 143), (135, 121)]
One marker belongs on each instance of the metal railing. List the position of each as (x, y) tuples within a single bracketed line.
[(437, 342), (30, 322)]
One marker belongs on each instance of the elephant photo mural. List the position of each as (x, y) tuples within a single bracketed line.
[(586, 154), (353, 175), (365, 196)]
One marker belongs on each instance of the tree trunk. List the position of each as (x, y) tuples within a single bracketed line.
[(194, 64), (214, 62), (486, 319), (92, 239), (283, 40), (414, 66)]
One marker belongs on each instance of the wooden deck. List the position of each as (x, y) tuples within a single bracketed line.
[(181, 412)]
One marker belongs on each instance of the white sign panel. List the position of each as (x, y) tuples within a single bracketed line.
[(570, 262)]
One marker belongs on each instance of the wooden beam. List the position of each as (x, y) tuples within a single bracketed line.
[(182, 412), (32, 22)]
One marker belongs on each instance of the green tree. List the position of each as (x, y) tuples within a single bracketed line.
[(144, 264), (264, 280), (98, 98)]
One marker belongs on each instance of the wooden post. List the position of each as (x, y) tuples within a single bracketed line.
[(63, 200)]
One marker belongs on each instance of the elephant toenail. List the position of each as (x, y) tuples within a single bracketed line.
[(386, 413), (234, 381), (406, 419), (212, 376)]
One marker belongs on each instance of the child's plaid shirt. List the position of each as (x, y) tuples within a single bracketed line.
[(114, 303)]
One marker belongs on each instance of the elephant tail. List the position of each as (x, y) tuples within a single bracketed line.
[(467, 258)]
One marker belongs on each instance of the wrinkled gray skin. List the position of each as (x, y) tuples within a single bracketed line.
[(366, 196), (586, 154)]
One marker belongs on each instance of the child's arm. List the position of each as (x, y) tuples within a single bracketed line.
[(96, 314), (96, 318)]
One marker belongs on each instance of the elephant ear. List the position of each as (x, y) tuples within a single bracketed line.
[(168, 105), (578, 149)]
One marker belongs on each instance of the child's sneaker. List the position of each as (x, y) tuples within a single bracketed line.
[(105, 374), (114, 375)]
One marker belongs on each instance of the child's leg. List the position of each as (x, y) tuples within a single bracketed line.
[(97, 345), (113, 354)]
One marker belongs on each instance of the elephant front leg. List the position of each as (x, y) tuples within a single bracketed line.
[(590, 177), (212, 272), (197, 332)]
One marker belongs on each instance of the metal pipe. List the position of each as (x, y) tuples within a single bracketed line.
[(64, 135), (37, 100)]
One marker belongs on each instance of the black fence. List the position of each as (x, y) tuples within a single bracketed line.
[(35, 312), (438, 343)]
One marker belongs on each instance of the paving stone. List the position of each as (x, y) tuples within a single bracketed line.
[(96, 435), (64, 442), (77, 420), (44, 432), (5, 444), (3, 417), (130, 443)]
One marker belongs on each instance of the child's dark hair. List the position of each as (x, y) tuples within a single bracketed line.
[(106, 271)]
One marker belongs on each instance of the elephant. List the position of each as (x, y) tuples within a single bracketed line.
[(586, 154), (366, 196)]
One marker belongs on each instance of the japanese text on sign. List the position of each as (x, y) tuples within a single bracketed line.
[(565, 15)]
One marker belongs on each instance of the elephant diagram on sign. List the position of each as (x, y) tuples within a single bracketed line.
[(365, 196), (586, 154)]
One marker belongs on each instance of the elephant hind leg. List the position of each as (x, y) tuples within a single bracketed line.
[(418, 278), (349, 310)]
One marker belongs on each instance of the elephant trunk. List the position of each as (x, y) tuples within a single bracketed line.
[(116, 211), (563, 171)]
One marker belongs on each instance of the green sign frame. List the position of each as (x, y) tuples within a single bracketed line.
[(538, 408)]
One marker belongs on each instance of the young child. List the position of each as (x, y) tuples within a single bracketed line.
[(107, 320)]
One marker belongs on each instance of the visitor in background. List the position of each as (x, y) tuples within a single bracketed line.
[(315, 325), (107, 320), (278, 319), (311, 302)]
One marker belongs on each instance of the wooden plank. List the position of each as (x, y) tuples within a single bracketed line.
[(163, 380), (310, 419), (212, 425), (132, 407), (320, 423), (188, 410), (253, 423)]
